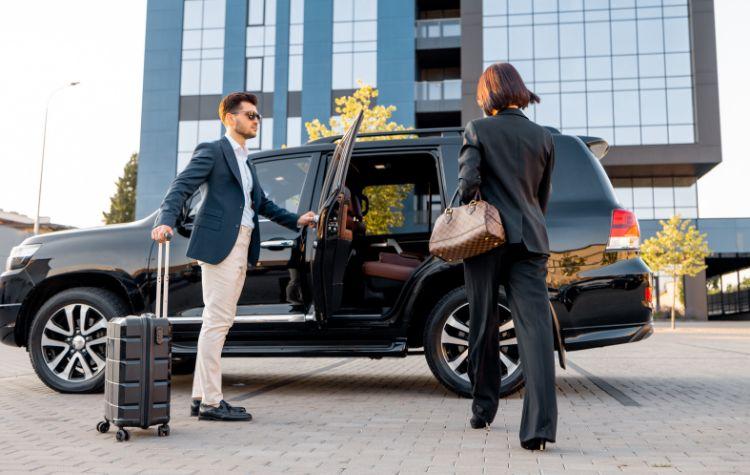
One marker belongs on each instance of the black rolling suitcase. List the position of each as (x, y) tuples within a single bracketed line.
[(138, 370)]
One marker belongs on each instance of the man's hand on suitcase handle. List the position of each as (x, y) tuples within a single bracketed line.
[(161, 233)]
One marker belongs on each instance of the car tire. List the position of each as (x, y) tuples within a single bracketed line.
[(182, 365), (67, 352), (446, 345)]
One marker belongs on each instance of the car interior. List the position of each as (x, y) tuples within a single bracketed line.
[(391, 204)]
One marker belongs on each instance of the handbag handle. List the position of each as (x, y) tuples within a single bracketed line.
[(477, 197)]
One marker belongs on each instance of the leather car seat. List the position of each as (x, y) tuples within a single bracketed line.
[(391, 266)]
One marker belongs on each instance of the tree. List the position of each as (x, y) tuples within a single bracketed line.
[(386, 201), (122, 203), (678, 249)]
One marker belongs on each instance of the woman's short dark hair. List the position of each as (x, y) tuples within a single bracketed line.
[(233, 100), (501, 86)]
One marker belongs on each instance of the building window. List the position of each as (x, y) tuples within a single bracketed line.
[(293, 131), (190, 134), (296, 42), (266, 135), (620, 70), (659, 197), (355, 41), (260, 45), (202, 47)]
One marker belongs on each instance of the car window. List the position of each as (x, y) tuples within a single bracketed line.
[(283, 180), (400, 194), (578, 175)]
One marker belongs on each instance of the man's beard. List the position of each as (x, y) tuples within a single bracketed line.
[(249, 134)]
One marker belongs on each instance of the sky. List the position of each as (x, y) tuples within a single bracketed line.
[(94, 127)]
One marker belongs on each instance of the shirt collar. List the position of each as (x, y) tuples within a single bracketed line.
[(235, 146)]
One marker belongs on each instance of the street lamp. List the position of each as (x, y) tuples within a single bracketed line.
[(44, 143)]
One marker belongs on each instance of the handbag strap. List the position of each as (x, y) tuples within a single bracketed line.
[(477, 197)]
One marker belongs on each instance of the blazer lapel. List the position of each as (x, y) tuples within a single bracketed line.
[(231, 159)]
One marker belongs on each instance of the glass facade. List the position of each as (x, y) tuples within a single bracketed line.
[(658, 197), (202, 47), (296, 43), (260, 45), (260, 51), (202, 70), (355, 43), (293, 131), (296, 50), (191, 133), (616, 69)]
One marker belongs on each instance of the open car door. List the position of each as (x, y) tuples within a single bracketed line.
[(333, 240)]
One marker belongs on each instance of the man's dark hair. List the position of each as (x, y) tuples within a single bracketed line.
[(500, 86), (233, 100)]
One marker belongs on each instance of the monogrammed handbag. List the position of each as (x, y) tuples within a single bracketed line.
[(467, 230)]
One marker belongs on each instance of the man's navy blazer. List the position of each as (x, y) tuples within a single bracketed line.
[(217, 223)]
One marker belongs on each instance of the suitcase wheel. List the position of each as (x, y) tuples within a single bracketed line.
[(122, 435), (163, 430), (102, 427)]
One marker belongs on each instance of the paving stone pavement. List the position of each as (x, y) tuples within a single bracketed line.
[(678, 402)]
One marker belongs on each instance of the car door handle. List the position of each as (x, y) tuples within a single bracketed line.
[(277, 244)]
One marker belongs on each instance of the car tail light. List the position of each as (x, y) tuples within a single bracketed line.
[(624, 233), (648, 294)]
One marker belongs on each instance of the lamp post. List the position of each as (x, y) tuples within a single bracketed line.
[(44, 143)]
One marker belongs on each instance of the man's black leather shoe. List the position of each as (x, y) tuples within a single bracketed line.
[(195, 406), (224, 412)]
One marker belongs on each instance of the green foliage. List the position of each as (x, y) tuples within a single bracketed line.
[(386, 207), (678, 249), (386, 201), (122, 203), (375, 118)]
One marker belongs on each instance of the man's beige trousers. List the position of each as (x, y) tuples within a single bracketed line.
[(222, 286)]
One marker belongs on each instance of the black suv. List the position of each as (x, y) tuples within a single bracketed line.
[(360, 284)]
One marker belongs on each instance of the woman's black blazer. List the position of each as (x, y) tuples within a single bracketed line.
[(509, 159)]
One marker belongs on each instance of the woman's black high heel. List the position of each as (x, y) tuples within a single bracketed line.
[(479, 423), (535, 444)]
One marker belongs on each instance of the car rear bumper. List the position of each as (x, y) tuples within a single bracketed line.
[(8, 316), (594, 337)]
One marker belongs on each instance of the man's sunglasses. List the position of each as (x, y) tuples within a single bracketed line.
[(250, 115)]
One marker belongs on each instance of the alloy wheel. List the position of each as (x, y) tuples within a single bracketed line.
[(454, 343), (74, 342)]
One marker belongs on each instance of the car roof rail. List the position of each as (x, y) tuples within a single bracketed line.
[(435, 132)]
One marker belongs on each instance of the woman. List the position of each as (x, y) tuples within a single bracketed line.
[(507, 160)]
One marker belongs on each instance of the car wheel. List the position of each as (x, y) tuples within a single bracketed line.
[(67, 340), (446, 345)]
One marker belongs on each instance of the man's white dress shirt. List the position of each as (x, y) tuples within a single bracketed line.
[(241, 153)]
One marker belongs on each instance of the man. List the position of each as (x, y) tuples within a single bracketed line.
[(224, 240)]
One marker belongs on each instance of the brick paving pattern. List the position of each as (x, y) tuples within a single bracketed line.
[(678, 402)]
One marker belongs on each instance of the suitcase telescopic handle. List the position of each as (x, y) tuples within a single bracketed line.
[(162, 277)]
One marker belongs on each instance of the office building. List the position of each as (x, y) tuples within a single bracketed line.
[(639, 73)]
